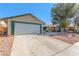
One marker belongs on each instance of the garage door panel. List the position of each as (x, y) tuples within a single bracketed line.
[(24, 28)]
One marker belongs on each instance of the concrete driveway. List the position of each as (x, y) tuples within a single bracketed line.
[(36, 45)]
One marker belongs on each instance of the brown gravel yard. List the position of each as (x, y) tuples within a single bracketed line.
[(67, 37), (6, 45)]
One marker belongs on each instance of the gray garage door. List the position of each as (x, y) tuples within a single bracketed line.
[(26, 28)]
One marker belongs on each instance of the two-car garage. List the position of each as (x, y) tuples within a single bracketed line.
[(23, 28)]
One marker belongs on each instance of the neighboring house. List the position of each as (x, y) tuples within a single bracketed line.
[(24, 24), (50, 28)]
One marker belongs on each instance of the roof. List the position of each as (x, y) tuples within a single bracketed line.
[(23, 15)]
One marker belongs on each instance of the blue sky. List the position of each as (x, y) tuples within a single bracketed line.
[(40, 10)]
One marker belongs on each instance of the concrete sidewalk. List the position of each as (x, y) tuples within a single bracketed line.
[(35, 45)]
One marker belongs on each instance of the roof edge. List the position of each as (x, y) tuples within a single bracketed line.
[(23, 15)]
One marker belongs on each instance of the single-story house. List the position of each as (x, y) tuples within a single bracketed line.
[(24, 24)]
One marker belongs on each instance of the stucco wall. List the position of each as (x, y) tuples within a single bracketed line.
[(9, 26)]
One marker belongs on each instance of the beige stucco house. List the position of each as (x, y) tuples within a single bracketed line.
[(23, 25)]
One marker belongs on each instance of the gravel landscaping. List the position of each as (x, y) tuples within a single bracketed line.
[(68, 37), (6, 45)]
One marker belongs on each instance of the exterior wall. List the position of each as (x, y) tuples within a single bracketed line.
[(9, 26), (42, 28)]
